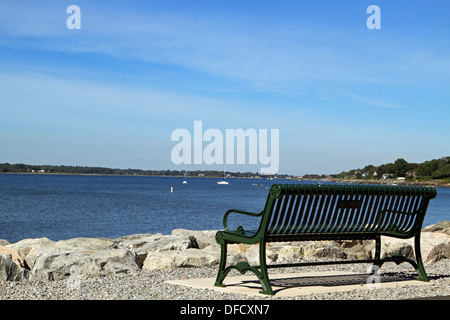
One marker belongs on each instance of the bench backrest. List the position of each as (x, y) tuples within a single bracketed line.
[(345, 209)]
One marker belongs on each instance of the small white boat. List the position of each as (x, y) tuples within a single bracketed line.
[(224, 181)]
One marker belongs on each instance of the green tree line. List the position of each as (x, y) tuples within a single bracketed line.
[(428, 170), (26, 168)]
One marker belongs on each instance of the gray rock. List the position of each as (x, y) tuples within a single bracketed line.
[(192, 243), (345, 244), (322, 249), (393, 248), (141, 244), (204, 238), (16, 258), (87, 245), (58, 266), (443, 227), (292, 253), (153, 243), (178, 241), (167, 260), (361, 251), (439, 252), (26, 245), (331, 252), (9, 271), (272, 253)]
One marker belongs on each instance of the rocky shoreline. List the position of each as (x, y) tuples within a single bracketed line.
[(81, 268)]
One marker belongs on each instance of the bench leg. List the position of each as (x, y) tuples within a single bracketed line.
[(420, 268), (244, 267), (222, 273), (418, 265), (264, 277), (377, 259)]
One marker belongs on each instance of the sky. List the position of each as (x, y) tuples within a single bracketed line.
[(112, 92)]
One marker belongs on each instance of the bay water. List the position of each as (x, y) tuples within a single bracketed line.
[(69, 206)]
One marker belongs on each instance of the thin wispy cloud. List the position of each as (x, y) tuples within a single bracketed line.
[(260, 54), (376, 103)]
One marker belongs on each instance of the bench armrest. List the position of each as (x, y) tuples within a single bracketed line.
[(225, 218), (388, 225)]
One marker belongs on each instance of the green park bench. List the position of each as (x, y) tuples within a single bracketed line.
[(302, 212)]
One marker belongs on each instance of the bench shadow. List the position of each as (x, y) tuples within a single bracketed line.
[(281, 284)]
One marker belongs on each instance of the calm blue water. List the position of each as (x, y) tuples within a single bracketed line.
[(68, 206)]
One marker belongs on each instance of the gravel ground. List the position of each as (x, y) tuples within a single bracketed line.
[(152, 286)]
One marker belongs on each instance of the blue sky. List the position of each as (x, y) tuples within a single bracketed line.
[(111, 93)]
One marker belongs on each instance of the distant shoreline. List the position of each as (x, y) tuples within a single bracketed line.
[(387, 182), (143, 175), (392, 182)]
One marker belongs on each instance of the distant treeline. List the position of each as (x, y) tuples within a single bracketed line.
[(26, 168), (428, 170), (437, 169)]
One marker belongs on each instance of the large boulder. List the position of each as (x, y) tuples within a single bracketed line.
[(391, 248), (430, 237), (204, 238), (360, 249), (286, 252), (428, 240), (183, 248), (442, 227), (60, 265), (175, 250), (323, 249), (10, 271), (30, 249), (16, 258), (147, 243), (24, 247), (53, 260), (166, 260), (252, 254), (439, 252)]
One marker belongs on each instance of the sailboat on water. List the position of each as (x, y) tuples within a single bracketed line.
[(224, 181)]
